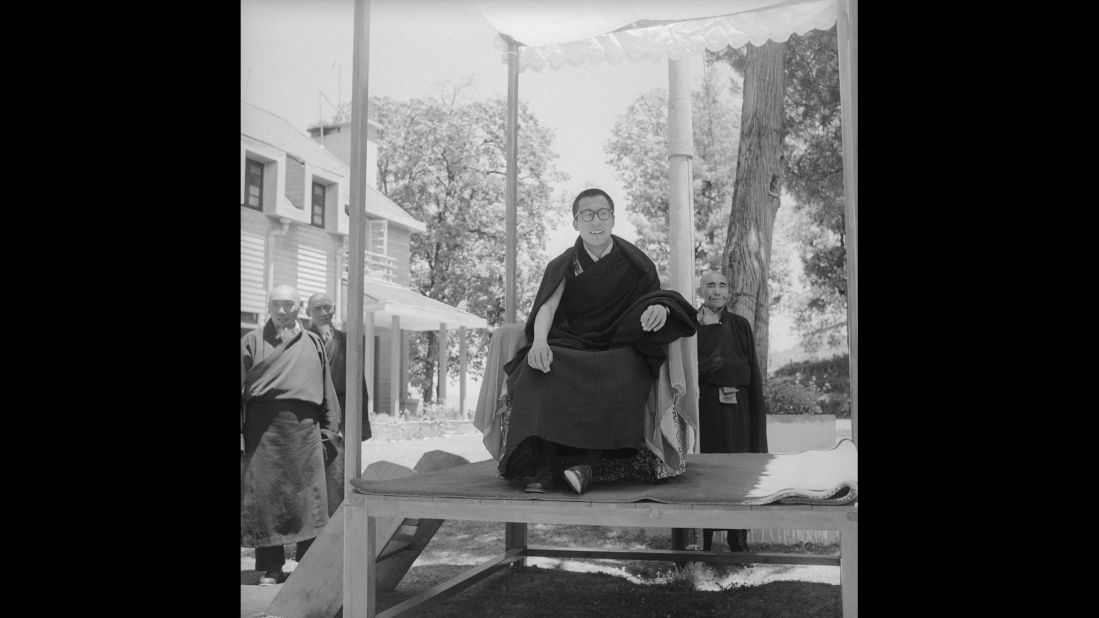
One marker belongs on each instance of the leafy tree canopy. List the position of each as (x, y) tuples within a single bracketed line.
[(443, 161), (638, 152)]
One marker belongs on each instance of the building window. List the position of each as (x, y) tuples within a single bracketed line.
[(317, 218), (253, 184), (249, 318)]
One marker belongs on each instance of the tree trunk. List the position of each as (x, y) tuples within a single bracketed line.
[(756, 189)]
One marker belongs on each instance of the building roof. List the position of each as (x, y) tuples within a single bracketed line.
[(378, 205), (263, 126), (416, 312)]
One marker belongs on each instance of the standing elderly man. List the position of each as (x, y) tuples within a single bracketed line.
[(321, 309), (731, 414), (289, 404)]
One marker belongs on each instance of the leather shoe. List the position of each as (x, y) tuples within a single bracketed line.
[(270, 578), (578, 478), (542, 481)]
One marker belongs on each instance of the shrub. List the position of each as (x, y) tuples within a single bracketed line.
[(833, 377), (435, 411), (791, 395)]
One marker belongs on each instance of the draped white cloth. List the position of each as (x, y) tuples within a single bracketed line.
[(573, 32)]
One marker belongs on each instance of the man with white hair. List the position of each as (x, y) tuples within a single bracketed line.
[(289, 409), (731, 413)]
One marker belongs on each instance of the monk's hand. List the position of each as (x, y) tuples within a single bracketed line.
[(540, 356), (654, 317)]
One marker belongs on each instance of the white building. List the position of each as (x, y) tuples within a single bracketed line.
[(294, 225)]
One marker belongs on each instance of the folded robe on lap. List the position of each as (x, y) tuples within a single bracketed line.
[(603, 366)]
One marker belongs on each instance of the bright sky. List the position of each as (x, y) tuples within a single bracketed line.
[(292, 50)]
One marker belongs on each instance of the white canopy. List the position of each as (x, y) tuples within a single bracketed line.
[(573, 32)]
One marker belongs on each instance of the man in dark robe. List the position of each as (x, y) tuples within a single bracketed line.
[(597, 336), (731, 414), (288, 404), (321, 309)]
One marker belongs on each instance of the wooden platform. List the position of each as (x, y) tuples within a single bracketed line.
[(361, 511)]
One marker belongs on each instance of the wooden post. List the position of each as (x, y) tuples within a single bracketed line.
[(395, 366), (359, 569), (368, 362), (463, 365), (512, 182), (444, 343), (406, 353), (515, 537), (849, 567), (338, 294), (848, 41), (359, 95)]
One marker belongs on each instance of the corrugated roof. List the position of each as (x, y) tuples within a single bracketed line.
[(378, 205), (417, 312), (263, 126)]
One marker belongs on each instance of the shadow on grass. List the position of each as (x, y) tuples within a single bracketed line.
[(528, 591)]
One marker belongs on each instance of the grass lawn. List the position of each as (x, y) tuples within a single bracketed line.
[(638, 588), (531, 591), (556, 587)]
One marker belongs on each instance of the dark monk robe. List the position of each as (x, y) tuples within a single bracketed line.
[(336, 350), (727, 358), (288, 401), (603, 366)]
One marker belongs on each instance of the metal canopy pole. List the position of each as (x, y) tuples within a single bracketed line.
[(681, 260), (355, 271), (512, 189), (358, 595), (515, 533), (848, 41)]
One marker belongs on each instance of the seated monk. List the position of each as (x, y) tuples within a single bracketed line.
[(598, 334)]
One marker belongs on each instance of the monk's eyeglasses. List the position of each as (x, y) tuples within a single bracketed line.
[(587, 215), (324, 308)]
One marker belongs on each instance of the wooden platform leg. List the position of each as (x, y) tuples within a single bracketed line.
[(515, 537), (679, 543), (849, 566), (359, 569)]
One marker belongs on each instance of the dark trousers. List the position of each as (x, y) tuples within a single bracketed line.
[(724, 428), (737, 539), (272, 558)]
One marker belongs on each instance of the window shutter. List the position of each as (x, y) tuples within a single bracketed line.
[(295, 181)]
